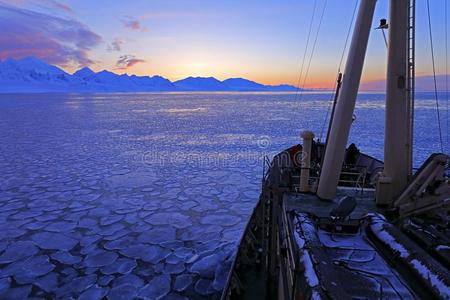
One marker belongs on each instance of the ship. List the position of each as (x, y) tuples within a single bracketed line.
[(334, 223)]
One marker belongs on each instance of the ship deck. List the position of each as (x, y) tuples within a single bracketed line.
[(310, 203)]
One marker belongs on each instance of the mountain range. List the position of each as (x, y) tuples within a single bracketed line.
[(33, 75), (423, 83)]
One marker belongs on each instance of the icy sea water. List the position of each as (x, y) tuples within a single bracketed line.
[(147, 195)]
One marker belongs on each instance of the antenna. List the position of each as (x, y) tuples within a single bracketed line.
[(383, 25)]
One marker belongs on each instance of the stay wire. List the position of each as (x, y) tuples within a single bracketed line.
[(446, 74), (339, 70), (313, 48), (434, 76), (311, 22)]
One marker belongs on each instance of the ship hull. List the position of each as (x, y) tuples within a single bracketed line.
[(292, 248)]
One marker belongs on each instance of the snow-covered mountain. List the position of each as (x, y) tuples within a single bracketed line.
[(241, 84), (422, 83), (200, 84), (33, 75)]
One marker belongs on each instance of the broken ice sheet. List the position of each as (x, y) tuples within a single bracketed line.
[(154, 218), (157, 288), (206, 266), (223, 220), (32, 268), (182, 282), (48, 283), (157, 235), (100, 259), (121, 266), (94, 292), (77, 285), (50, 240), (18, 250), (204, 287), (65, 258), (175, 219)]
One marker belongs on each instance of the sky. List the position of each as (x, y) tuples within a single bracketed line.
[(261, 40)]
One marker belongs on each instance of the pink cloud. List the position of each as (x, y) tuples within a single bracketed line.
[(43, 5), (115, 45), (59, 5), (133, 24), (53, 39), (127, 61)]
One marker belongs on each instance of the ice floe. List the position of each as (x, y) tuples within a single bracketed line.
[(95, 292), (174, 219), (120, 266), (176, 268), (223, 220), (16, 293), (65, 257), (50, 240), (17, 251), (77, 285), (157, 235), (204, 287), (157, 288), (48, 283), (100, 259), (182, 282), (32, 268), (206, 265)]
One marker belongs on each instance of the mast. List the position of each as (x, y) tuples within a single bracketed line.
[(342, 120), (398, 121)]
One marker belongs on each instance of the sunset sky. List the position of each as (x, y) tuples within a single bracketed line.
[(260, 40)]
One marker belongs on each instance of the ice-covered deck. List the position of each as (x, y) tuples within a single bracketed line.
[(364, 256), (344, 266)]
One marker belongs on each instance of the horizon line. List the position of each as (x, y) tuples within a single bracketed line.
[(381, 80)]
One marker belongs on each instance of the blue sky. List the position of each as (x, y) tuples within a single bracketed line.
[(260, 40)]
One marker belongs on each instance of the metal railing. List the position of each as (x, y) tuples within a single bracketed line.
[(359, 181), (352, 176), (266, 167)]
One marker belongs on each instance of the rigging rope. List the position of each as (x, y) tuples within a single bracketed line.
[(339, 69), (348, 35), (434, 75), (306, 49), (446, 73), (314, 46)]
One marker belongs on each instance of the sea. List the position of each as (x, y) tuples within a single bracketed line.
[(124, 195)]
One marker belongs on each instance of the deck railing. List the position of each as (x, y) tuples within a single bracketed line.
[(356, 179), (266, 167), (351, 176)]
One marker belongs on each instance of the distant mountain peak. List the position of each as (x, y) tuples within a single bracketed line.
[(84, 72), (200, 84), (242, 84), (200, 78), (237, 78), (106, 72)]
